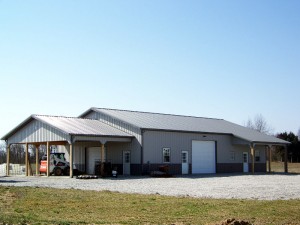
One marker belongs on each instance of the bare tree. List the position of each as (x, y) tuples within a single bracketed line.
[(260, 124), (2, 153)]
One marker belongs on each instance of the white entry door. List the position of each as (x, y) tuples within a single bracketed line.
[(126, 162), (245, 162), (185, 162)]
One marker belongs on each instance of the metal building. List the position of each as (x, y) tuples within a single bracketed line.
[(139, 142)]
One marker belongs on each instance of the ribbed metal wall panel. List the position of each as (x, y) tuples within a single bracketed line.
[(135, 145), (78, 155), (155, 141), (114, 153), (102, 139), (116, 123), (36, 131)]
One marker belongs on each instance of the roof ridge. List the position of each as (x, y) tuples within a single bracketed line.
[(68, 117), (165, 114)]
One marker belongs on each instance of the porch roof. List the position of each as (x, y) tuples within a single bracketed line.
[(73, 126)]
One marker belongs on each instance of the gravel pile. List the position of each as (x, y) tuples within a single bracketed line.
[(262, 187)]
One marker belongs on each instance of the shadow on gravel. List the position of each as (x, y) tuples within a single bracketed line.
[(198, 176), (11, 181)]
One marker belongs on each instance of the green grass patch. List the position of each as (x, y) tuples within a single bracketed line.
[(55, 206)]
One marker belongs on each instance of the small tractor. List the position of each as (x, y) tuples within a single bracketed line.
[(58, 164)]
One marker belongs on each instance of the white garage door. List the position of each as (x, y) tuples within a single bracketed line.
[(203, 157), (93, 157)]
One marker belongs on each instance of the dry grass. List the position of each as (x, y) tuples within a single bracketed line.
[(53, 206), (279, 167)]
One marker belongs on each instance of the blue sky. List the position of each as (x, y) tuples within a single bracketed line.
[(220, 59)]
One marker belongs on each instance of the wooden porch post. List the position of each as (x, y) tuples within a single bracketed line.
[(7, 159), (37, 159), (252, 158), (270, 157), (102, 160), (71, 160), (48, 159), (26, 159), (285, 159)]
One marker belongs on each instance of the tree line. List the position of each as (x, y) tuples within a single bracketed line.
[(17, 153), (260, 124)]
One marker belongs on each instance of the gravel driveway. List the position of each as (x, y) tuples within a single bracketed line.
[(263, 187)]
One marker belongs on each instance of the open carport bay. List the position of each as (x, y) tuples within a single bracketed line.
[(262, 187)]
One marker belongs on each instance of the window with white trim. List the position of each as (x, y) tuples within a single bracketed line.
[(166, 155), (257, 156), (232, 156)]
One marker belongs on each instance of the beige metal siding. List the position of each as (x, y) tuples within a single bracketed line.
[(113, 152), (154, 141), (239, 149), (262, 153), (135, 145), (36, 131)]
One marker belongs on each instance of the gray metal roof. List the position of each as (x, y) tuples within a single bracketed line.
[(74, 126), (78, 126), (158, 121)]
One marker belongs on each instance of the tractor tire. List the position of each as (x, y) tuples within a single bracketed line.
[(57, 171)]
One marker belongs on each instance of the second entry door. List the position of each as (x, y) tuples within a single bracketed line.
[(245, 162), (126, 162), (185, 162)]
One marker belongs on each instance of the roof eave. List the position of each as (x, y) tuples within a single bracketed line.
[(262, 142), (184, 131), (271, 142), (101, 135)]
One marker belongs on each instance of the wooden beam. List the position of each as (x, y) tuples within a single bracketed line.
[(59, 142), (102, 160), (252, 159), (36, 159), (285, 159), (270, 157), (103, 153), (7, 159), (71, 160), (26, 159), (45, 143), (48, 159)]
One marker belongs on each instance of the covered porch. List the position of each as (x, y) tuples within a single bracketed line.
[(72, 136), (251, 164)]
